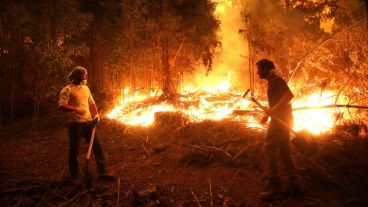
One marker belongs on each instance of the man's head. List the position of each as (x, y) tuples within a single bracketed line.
[(264, 68), (78, 75)]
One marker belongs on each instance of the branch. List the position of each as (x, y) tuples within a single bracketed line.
[(195, 197), (322, 43), (172, 61), (210, 149), (72, 199), (329, 106)]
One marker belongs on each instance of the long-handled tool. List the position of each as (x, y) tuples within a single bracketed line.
[(86, 174), (303, 141)]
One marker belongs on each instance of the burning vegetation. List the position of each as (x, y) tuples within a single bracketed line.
[(318, 113), (176, 82)]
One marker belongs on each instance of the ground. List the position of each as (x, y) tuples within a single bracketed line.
[(170, 164)]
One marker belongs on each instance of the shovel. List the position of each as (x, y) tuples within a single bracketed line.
[(86, 174), (304, 141)]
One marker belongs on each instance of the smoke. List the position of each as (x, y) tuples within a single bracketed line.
[(231, 58)]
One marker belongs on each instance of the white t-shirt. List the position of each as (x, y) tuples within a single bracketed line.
[(79, 96)]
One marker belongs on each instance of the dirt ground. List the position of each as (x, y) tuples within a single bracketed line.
[(203, 164)]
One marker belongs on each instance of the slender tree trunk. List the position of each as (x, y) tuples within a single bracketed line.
[(165, 68), (93, 60), (366, 13), (167, 92), (36, 98), (2, 115), (12, 94), (146, 79), (114, 77)]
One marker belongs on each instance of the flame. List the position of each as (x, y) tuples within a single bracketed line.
[(218, 103), (214, 98), (197, 104), (317, 120)]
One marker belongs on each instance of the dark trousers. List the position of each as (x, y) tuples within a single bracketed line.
[(277, 150), (76, 132)]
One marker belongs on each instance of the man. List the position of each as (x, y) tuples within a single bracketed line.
[(278, 134), (77, 100)]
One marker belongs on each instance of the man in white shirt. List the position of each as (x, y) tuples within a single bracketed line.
[(77, 100)]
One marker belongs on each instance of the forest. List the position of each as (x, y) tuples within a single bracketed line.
[(175, 83)]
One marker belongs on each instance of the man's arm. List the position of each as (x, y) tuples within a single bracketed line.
[(93, 109), (67, 107), (284, 101)]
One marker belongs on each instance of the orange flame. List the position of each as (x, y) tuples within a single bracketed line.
[(317, 120), (219, 103)]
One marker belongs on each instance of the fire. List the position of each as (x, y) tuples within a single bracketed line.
[(196, 104), (317, 120), (219, 103)]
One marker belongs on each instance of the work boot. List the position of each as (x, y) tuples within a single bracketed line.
[(293, 188), (74, 179), (272, 190), (103, 175)]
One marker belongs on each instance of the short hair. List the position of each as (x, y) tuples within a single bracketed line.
[(265, 65), (77, 73)]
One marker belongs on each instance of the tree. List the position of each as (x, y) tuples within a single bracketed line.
[(186, 37), (47, 35)]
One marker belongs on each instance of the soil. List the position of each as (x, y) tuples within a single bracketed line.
[(169, 164)]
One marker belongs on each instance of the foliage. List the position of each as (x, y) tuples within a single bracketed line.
[(120, 42), (47, 36), (313, 37)]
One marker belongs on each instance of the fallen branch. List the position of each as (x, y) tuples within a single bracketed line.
[(246, 148), (146, 151), (329, 106), (198, 147), (195, 197), (221, 150), (245, 112), (73, 199), (62, 172), (242, 112), (21, 189), (210, 149)]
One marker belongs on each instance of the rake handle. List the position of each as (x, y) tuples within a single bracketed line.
[(273, 116), (91, 143)]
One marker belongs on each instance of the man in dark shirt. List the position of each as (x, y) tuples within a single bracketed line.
[(278, 134)]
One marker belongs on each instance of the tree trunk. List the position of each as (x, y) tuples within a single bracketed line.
[(2, 97), (93, 66), (12, 94), (36, 98), (166, 90)]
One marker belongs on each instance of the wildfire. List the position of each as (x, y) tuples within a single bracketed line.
[(196, 104), (317, 120), (219, 103)]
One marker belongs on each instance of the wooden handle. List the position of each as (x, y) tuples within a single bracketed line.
[(91, 143), (273, 116)]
